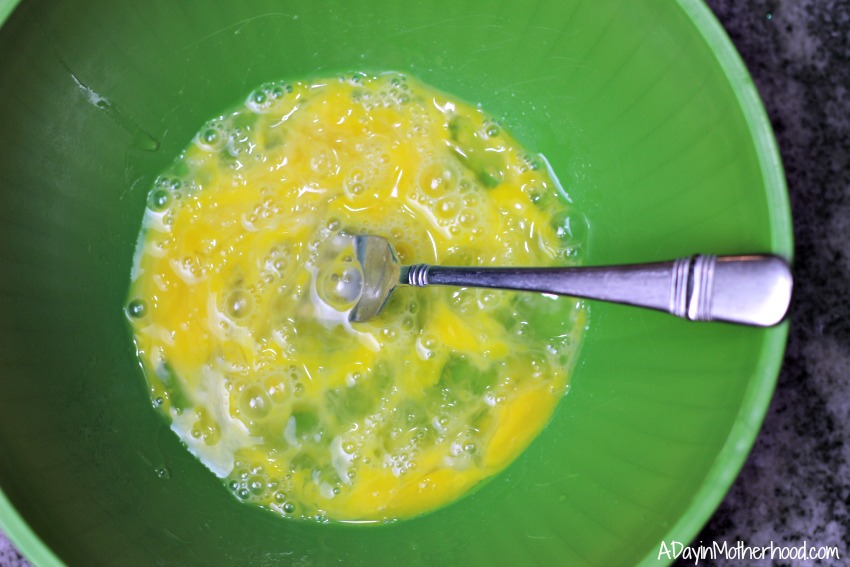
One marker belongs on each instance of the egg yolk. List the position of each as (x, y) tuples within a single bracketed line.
[(244, 276)]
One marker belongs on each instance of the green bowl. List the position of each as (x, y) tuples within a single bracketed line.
[(643, 109)]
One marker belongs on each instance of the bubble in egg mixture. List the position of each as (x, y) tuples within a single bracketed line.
[(136, 308), (246, 273), (237, 304)]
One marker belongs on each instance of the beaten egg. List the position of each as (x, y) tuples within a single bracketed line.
[(244, 276)]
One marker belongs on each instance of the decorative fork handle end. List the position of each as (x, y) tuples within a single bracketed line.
[(692, 287), (752, 290)]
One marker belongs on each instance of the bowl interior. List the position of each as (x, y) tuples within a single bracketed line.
[(644, 112)]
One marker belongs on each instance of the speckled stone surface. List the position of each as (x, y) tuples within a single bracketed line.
[(795, 486)]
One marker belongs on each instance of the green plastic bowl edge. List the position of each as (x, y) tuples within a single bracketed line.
[(11, 522), (20, 534), (731, 458), (6, 7)]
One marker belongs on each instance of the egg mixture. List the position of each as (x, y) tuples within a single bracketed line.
[(243, 280)]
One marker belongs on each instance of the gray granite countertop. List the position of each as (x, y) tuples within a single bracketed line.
[(795, 486)]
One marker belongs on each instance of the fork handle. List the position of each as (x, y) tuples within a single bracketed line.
[(749, 290)]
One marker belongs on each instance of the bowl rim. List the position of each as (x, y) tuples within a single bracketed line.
[(21, 534), (730, 459)]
